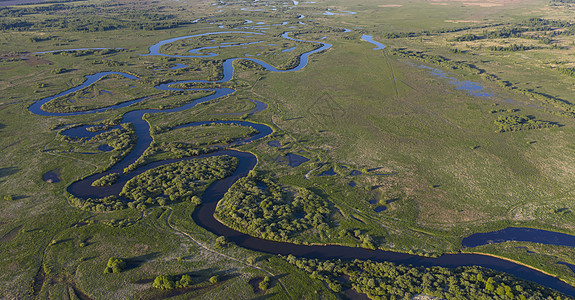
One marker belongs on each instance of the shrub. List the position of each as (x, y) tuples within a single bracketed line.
[(214, 279), (265, 284), (163, 282), (115, 265)]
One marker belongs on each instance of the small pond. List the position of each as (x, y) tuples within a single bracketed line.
[(274, 144), (379, 208), (52, 176), (295, 160), (105, 148), (329, 172)]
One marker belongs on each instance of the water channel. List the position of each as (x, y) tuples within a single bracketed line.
[(204, 214)]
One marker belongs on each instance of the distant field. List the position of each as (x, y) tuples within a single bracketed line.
[(20, 2)]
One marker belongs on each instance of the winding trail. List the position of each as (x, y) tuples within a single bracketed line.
[(204, 214)]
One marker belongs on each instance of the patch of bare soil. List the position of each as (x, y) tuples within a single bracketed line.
[(36, 61)]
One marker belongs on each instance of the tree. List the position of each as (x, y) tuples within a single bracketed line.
[(185, 281), (291, 259), (196, 200), (489, 285), (214, 279), (334, 286), (163, 282), (265, 284), (115, 265), (221, 241)]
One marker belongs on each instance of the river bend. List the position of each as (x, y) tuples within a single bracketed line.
[(204, 214)]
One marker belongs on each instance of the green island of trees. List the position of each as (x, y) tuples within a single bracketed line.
[(265, 283), (172, 183), (262, 208), (176, 182)]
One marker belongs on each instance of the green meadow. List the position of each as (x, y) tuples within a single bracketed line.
[(417, 163)]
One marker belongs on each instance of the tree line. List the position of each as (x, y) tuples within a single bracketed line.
[(82, 18), (386, 280), (547, 28), (516, 123), (511, 48)]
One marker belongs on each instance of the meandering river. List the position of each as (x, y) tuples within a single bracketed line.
[(204, 214)]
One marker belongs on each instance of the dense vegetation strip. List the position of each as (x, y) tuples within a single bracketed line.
[(262, 208), (107, 180), (387, 280), (516, 123), (177, 182), (172, 183), (86, 18)]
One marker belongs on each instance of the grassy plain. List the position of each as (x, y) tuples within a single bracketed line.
[(427, 152)]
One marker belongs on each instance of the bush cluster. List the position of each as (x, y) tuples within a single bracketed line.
[(262, 208)]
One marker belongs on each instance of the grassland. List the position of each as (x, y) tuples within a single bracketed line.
[(427, 152)]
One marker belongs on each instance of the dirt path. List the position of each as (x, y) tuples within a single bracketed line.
[(221, 254)]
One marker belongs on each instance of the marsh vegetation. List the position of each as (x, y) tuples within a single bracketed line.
[(378, 149)]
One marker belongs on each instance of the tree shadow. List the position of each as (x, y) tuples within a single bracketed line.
[(277, 277), (230, 276), (8, 171), (19, 197), (89, 258), (266, 296), (11, 234), (57, 242), (295, 118), (137, 261), (254, 282), (263, 257)]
